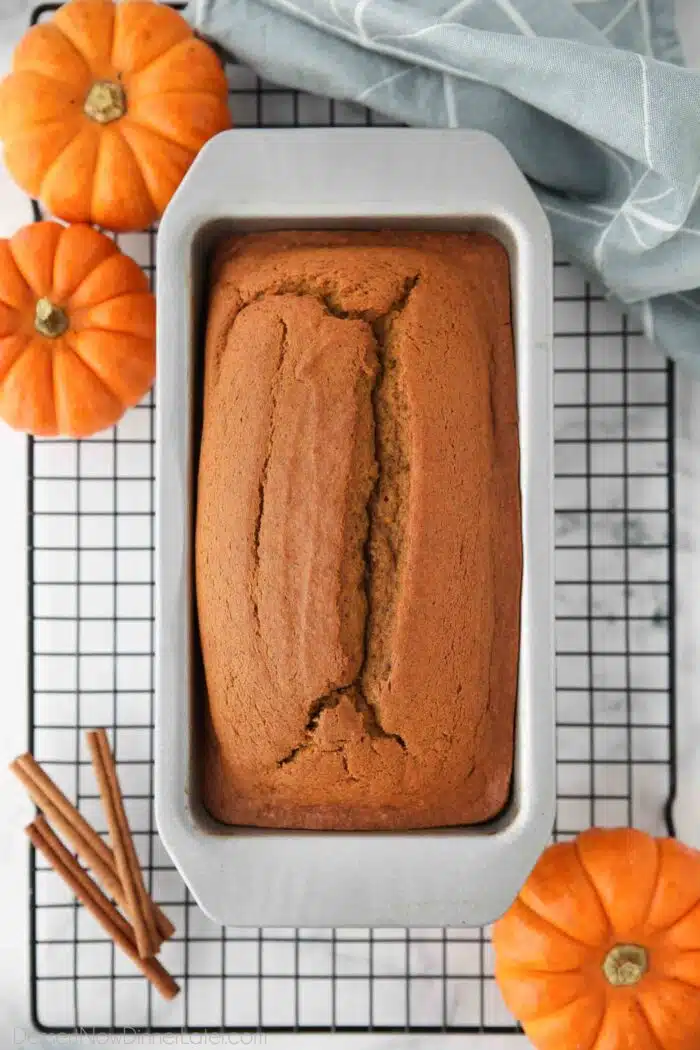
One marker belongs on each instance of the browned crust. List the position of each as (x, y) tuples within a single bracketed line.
[(358, 548)]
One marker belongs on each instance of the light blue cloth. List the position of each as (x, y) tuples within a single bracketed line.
[(590, 97)]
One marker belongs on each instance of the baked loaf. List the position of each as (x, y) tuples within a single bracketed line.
[(358, 548)]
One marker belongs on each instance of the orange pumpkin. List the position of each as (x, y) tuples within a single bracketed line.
[(105, 109), (77, 330), (601, 950)]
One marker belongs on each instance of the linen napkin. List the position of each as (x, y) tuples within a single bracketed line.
[(590, 97)]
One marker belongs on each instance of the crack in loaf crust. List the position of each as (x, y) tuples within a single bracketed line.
[(358, 548)]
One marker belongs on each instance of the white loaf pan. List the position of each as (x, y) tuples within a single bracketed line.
[(425, 179)]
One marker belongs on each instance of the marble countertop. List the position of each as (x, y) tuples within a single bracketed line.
[(14, 811)]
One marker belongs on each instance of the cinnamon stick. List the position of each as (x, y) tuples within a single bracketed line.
[(72, 825), (100, 907), (125, 857)]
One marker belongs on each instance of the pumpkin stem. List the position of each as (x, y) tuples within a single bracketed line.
[(105, 101), (50, 320), (625, 965)]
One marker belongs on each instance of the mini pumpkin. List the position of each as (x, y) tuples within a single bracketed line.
[(77, 330), (601, 950), (105, 109)]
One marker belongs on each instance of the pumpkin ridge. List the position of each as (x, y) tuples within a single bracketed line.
[(27, 343), (653, 1037), (54, 162), (553, 1013), (603, 1015), (125, 402), (657, 878), (201, 54), (159, 133), (100, 379), (119, 18), (30, 126), (117, 405), (156, 58), (53, 40), (150, 110), (114, 331), (70, 301), (50, 428), (176, 91), (112, 298), (97, 187), (141, 97), (47, 76), (54, 385), (93, 192), (24, 276), (515, 973), (40, 75), (659, 936), (17, 320), (521, 970), (32, 129), (66, 27), (66, 234), (13, 287), (564, 933), (596, 891), (677, 980), (137, 162)]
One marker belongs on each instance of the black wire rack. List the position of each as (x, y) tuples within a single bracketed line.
[(91, 602)]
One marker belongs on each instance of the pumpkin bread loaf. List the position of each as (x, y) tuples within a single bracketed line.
[(358, 548)]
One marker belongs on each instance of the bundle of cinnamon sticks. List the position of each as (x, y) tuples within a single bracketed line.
[(143, 927)]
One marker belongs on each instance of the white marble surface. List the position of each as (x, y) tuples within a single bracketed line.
[(13, 808)]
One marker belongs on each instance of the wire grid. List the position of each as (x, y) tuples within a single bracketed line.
[(91, 564)]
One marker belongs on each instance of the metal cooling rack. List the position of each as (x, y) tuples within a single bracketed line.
[(91, 552)]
